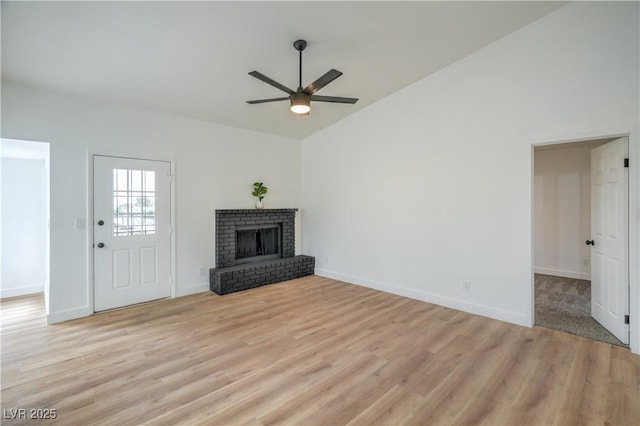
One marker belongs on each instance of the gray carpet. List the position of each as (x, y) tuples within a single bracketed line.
[(565, 304)]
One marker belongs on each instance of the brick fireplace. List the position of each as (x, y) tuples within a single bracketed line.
[(256, 248)]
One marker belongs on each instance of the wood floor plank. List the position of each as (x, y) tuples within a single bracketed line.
[(392, 408), (308, 351)]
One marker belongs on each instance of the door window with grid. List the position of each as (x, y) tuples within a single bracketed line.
[(134, 197)]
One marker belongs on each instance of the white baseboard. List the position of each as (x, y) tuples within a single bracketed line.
[(192, 289), (449, 302), (69, 314), (561, 273), (21, 291)]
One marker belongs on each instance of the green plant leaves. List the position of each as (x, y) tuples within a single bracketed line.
[(259, 190)]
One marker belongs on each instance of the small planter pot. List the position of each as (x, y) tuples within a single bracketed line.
[(259, 205)]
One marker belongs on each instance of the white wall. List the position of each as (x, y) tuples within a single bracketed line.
[(215, 168), (562, 211), (432, 186), (23, 227)]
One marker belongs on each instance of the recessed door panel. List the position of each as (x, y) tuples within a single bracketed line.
[(612, 268), (148, 265), (121, 268), (597, 215), (613, 200), (597, 271)]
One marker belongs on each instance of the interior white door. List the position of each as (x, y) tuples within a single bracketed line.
[(609, 233), (132, 234)]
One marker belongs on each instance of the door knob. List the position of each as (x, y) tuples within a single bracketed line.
[(101, 222), (100, 245), (590, 243)]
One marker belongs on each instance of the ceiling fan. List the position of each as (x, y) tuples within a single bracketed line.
[(301, 98)]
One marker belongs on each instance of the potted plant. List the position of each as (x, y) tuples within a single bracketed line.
[(259, 190)]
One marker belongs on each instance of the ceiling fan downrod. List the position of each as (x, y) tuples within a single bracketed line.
[(300, 45)]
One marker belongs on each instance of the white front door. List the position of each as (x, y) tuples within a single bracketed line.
[(609, 237), (132, 234)]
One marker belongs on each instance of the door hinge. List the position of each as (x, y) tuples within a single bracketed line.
[(626, 162), (626, 319)]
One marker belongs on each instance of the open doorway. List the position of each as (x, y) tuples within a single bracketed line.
[(24, 220), (565, 288)]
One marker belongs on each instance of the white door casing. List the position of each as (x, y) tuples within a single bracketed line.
[(132, 231), (610, 237)]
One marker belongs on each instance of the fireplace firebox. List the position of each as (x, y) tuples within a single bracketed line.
[(256, 243)]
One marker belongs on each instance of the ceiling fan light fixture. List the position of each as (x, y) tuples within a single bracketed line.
[(300, 103)]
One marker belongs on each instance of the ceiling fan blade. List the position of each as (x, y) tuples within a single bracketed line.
[(327, 78), (335, 99), (274, 83), (262, 101)]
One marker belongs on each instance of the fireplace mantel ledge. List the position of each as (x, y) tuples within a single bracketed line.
[(255, 210)]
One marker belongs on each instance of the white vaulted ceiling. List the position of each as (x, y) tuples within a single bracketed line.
[(192, 58)]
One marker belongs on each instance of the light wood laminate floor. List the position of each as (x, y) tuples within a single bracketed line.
[(308, 351)]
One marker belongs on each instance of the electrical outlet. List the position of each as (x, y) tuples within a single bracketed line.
[(586, 262), (203, 271), (326, 260), (466, 285)]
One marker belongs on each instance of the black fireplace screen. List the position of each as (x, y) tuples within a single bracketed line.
[(259, 243)]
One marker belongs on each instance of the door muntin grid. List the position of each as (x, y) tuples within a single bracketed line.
[(134, 201)]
